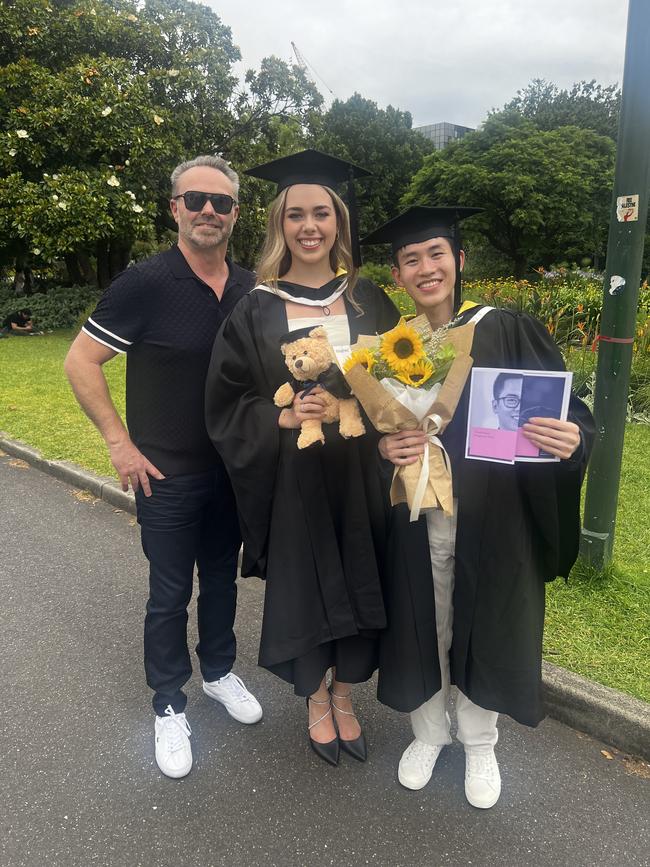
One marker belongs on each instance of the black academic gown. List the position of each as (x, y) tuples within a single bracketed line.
[(313, 520), (518, 527)]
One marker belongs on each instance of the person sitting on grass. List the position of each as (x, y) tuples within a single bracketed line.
[(19, 323)]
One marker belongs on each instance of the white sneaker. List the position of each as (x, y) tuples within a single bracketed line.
[(482, 777), (173, 750), (417, 764), (233, 695)]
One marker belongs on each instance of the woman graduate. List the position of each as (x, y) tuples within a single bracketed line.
[(465, 595), (312, 519)]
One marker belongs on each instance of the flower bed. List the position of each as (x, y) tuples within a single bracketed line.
[(570, 306)]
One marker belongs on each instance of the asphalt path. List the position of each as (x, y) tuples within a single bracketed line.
[(79, 784)]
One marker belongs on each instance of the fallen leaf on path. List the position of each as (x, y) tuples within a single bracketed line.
[(16, 462), (607, 755), (637, 767), (84, 496)]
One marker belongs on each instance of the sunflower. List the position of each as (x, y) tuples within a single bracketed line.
[(360, 356), (417, 374), (401, 347)]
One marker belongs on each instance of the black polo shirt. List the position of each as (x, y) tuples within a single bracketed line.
[(165, 319)]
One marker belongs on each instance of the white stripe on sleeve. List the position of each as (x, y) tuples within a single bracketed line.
[(110, 333), (99, 340)]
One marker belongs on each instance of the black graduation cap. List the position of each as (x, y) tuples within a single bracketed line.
[(296, 334), (420, 223), (313, 167), (307, 167)]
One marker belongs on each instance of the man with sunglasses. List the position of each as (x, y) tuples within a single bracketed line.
[(164, 313)]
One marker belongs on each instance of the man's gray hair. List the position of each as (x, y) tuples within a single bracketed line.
[(214, 163)]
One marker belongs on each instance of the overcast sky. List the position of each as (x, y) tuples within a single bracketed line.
[(449, 61)]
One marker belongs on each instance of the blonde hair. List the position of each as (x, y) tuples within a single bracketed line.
[(275, 258)]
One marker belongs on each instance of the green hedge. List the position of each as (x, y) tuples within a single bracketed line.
[(59, 308)]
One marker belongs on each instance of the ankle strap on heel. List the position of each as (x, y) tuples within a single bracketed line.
[(335, 705), (327, 713)]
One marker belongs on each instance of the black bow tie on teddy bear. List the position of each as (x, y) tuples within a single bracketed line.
[(331, 380)]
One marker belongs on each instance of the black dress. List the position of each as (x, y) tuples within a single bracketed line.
[(518, 527), (313, 520)]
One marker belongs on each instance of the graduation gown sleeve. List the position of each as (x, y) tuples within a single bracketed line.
[(553, 497), (242, 422), (379, 312), (518, 527)]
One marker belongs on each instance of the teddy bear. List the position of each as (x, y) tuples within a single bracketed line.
[(308, 356)]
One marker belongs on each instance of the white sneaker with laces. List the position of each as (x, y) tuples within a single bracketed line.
[(482, 777), (233, 695), (173, 750), (417, 764)]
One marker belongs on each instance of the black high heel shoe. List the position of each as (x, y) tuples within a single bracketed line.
[(329, 752), (356, 748)]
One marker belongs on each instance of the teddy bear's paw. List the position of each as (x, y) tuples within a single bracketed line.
[(352, 428), (284, 395), (310, 436), (351, 422), (306, 440)]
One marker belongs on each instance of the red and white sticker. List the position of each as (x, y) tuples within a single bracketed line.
[(627, 209)]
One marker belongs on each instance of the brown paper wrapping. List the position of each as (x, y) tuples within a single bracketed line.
[(389, 416)]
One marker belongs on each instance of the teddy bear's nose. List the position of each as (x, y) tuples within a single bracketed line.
[(299, 362)]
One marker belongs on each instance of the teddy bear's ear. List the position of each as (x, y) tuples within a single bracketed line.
[(283, 348), (318, 333)]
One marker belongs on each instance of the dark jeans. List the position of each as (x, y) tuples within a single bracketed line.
[(188, 520)]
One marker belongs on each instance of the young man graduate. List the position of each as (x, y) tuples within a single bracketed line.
[(465, 594)]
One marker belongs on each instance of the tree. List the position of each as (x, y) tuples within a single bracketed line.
[(380, 140), (545, 193), (99, 99), (587, 105)]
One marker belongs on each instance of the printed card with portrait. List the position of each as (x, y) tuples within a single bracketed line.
[(501, 401)]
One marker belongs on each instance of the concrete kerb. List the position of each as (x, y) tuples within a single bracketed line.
[(606, 714), (102, 487)]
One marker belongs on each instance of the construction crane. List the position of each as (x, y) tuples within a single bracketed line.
[(308, 69)]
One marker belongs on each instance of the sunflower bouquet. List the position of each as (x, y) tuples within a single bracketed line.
[(411, 361), (410, 377)]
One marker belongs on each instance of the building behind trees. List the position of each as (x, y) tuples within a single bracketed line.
[(442, 133)]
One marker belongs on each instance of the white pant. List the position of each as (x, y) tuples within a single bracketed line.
[(430, 722)]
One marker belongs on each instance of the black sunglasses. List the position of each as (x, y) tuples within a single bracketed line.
[(195, 201)]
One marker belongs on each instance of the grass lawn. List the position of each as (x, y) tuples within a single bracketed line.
[(599, 628), (37, 404)]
